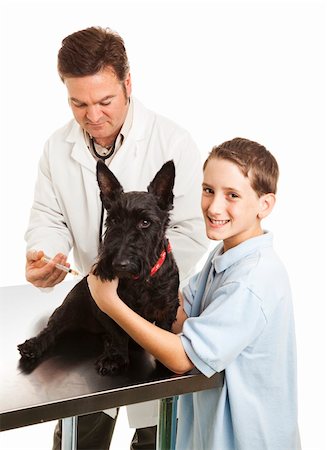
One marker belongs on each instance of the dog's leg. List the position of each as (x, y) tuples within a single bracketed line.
[(166, 315), (115, 358), (73, 312), (34, 348)]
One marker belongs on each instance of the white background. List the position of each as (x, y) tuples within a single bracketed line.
[(220, 69)]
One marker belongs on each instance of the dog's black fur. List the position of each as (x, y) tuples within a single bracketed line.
[(132, 244)]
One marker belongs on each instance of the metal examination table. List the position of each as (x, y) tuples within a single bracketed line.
[(66, 384)]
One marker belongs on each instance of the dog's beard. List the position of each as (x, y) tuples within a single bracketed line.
[(107, 270)]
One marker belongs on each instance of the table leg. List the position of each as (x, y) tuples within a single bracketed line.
[(69, 433), (167, 427)]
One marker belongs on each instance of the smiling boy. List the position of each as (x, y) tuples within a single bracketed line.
[(232, 208), (236, 315)]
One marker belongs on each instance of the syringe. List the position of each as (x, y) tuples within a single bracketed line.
[(60, 266)]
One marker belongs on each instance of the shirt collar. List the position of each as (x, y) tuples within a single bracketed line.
[(127, 125), (222, 261)]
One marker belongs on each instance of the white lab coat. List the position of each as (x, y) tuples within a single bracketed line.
[(66, 210)]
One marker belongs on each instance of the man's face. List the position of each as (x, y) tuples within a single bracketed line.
[(99, 103)]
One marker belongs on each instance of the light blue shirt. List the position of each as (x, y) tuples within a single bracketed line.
[(241, 321)]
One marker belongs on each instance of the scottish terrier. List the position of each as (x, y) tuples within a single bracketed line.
[(135, 249)]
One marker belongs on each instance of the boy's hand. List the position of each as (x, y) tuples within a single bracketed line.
[(181, 316), (43, 274), (104, 293)]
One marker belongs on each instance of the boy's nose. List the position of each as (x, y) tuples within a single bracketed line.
[(217, 205)]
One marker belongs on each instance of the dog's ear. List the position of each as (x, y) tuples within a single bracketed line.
[(162, 185), (109, 186)]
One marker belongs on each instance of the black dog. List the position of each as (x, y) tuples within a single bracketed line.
[(135, 250)]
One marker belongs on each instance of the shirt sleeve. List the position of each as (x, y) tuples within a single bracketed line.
[(47, 229), (229, 324)]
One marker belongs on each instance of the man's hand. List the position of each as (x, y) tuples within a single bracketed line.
[(44, 274)]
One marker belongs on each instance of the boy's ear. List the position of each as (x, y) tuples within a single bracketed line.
[(162, 185), (109, 186), (266, 204)]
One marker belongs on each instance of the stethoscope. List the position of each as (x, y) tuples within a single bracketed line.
[(103, 157)]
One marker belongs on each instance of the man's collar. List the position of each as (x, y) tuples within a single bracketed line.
[(121, 136), (127, 125)]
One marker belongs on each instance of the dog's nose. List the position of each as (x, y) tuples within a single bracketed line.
[(121, 265)]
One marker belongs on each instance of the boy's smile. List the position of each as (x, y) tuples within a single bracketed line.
[(218, 222), (232, 210)]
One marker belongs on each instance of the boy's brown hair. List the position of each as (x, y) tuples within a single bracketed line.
[(254, 161)]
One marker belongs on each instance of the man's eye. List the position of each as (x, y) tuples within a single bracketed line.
[(76, 103), (207, 190), (233, 195), (144, 224)]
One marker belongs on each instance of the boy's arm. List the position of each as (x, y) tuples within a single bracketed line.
[(163, 345)]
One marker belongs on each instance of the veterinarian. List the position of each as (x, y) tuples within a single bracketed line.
[(237, 315), (67, 213)]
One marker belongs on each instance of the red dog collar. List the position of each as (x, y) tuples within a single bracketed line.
[(161, 260), (159, 263)]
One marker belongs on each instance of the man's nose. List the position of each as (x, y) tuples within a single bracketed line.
[(93, 113)]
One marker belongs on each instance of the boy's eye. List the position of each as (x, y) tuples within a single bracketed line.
[(144, 224), (233, 195), (207, 190)]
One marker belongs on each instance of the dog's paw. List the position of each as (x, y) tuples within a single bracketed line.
[(28, 365), (30, 349), (111, 364)]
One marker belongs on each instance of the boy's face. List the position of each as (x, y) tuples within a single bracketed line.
[(232, 210)]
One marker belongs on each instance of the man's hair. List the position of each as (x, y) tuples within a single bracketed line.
[(88, 51), (254, 161)]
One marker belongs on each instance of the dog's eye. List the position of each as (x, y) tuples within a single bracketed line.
[(144, 224)]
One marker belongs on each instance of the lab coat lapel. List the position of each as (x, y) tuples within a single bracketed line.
[(126, 164), (80, 152)]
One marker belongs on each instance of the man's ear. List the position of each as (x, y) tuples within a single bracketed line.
[(109, 186), (162, 185), (266, 204), (128, 85)]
